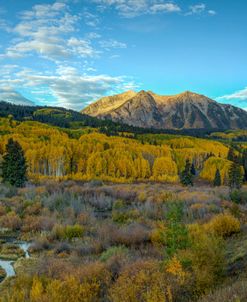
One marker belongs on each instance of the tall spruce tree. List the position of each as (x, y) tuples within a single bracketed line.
[(235, 177), (231, 154), (186, 177), (193, 169), (244, 163), (14, 167), (217, 178)]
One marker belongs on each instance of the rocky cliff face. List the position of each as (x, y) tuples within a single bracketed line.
[(183, 111)]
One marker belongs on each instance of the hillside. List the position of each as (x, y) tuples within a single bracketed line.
[(183, 111), (85, 155), (67, 118), (61, 117)]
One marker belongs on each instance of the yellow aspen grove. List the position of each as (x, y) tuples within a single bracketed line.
[(50, 152)]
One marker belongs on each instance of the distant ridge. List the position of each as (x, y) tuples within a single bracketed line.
[(187, 110)]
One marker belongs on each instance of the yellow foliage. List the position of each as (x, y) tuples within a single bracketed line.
[(142, 281), (214, 163), (207, 258), (175, 268), (158, 234), (223, 225), (165, 169), (36, 290), (51, 153)]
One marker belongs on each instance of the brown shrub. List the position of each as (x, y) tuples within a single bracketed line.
[(133, 234), (11, 221)]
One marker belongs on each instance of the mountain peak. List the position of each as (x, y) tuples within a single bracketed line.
[(187, 110), (188, 93)]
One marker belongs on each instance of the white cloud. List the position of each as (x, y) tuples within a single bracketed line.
[(91, 19), (165, 7), (198, 8), (212, 12), (43, 31), (238, 95), (64, 76), (8, 94), (133, 8), (108, 44), (82, 48), (69, 88)]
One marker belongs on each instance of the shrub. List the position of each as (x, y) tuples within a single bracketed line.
[(2, 210), (113, 251), (133, 234), (125, 216), (37, 223), (223, 225), (57, 232), (40, 244), (11, 221), (235, 292), (207, 258), (73, 231), (141, 281), (67, 232), (158, 235), (238, 196)]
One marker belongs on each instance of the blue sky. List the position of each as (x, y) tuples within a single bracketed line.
[(71, 52)]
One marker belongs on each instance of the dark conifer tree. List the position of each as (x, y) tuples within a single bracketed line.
[(231, 154), (235, 177), (217, 178), (193, 169), (14, 167), (186, 176), (244, 163)]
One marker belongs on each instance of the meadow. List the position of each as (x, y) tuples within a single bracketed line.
[(124, 242)]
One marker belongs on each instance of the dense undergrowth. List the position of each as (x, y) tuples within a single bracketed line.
[(138, 242)]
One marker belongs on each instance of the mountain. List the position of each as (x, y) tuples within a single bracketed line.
[(187, 110)]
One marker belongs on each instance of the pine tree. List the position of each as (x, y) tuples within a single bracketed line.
[(14, 167), (186, 176), (231, 154), (217, 178), (235, 177), (244, 162), (193, 169)]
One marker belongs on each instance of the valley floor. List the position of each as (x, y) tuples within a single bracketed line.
[(123, 242)]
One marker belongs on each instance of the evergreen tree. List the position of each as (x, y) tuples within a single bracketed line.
[(235, 176), (244, 162), (217, 178), (14, 165), (231, 154), (193, 169), (186, 176), (177, 237)]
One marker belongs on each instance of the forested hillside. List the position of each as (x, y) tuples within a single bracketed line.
[(65, 118), (85, 154)]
